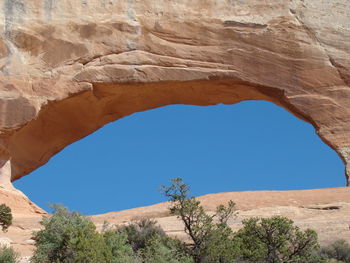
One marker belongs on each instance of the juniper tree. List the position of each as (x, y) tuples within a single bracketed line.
[(5, 217), (209, 233)]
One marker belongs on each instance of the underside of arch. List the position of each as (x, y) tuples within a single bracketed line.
[(63, 122), (68, 70)]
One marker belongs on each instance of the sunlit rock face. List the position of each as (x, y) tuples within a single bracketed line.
[(70, 66)]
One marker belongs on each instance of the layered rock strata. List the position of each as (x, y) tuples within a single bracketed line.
[(69, 67)]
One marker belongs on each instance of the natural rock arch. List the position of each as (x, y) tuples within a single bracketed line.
[(69, 67)]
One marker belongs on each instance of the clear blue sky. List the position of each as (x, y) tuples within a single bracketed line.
[(252, 145)]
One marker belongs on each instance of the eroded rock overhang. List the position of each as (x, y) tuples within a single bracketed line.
[(70, 67)]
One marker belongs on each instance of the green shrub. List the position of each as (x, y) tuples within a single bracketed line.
[(70, 238), (221, 246), (138, 233), (8, 255), (157, 250), (275, 240), (121, 250), (5, 217), (211, 237), (151, 245), (339, 251)]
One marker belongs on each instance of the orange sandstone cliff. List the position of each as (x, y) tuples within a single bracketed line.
[(69, 67)]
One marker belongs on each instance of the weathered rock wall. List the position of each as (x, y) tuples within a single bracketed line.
[(68, 67)]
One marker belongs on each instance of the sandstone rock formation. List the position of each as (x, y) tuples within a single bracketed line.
[(325, 210), (70, 67), (26, 218)]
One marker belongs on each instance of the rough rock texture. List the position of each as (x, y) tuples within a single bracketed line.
[(19, 202), (69, 67), (325, 210), (26, 218)]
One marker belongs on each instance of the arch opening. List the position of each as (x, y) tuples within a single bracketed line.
[(120, 65), (253, 145), (63, 122)]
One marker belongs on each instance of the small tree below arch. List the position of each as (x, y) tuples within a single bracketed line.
[(5, 217)]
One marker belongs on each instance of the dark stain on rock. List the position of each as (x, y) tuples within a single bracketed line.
[(18, 111), (26, 42), (91, 30), (55, 51), (4, 51), (9, 87), (230, 23), (87, 31), (125, 27), (157, 26), (326, 207)]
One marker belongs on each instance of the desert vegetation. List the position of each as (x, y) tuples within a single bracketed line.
[(271, 240), (69, 237), (5, 217), (336, 252), (7, 254)]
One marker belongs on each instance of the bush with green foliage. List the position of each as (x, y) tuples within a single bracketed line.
[(276, 240), (339, 251), (265, 240), (119, 247), (221, 246), (68, 237), (152, 245), (71, 238), (8, 255), (210, 235), (138, 233), (5, 217), (158, 250)]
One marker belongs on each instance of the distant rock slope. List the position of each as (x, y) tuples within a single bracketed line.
[(325, 210), (69, 67)]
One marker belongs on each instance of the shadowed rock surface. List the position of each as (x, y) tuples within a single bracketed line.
[(69, 67)]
